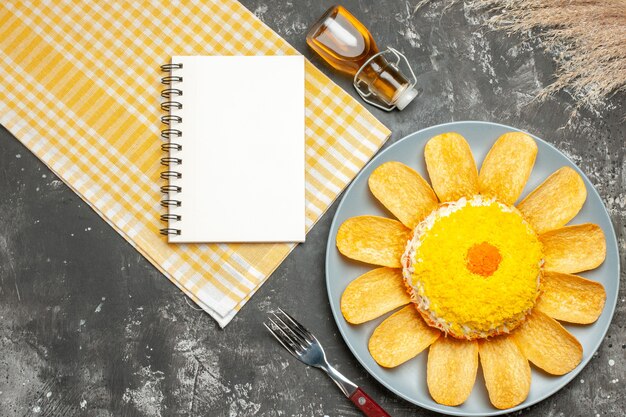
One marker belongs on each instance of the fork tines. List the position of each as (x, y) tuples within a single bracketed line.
[(292, 335)]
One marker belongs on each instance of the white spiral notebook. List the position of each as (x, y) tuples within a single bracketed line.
[(234, 134)]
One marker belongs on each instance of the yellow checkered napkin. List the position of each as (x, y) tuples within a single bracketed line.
[(81, 90)]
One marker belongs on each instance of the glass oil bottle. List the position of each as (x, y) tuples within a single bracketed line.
[(346, 44)]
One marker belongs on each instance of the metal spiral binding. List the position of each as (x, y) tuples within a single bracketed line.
[(167, 134)]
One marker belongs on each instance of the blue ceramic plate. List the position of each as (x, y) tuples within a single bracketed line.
[(409, 379)]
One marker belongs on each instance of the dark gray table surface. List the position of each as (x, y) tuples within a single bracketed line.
[(88, 327)]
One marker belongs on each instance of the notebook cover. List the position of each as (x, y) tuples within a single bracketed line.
[(241, 155)]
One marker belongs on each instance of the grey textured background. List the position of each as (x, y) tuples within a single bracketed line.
[(89, 328)]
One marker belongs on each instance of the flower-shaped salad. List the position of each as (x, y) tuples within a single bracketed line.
[(481, 279)]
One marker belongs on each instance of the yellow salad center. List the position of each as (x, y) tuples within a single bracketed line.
[(474, 267)]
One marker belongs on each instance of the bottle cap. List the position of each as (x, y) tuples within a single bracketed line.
[(405, 98)]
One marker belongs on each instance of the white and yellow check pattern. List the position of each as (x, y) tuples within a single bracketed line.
[(81, 90)]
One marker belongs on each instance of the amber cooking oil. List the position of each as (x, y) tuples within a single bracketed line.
[(348, 46)]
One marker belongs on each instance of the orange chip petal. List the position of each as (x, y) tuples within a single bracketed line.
[(574, 248), (372, 239), (403, 191), (507, 166), (547, 344), (373, 294), (556, 201), (451, 167), (571, 298), (402, 336), (506, 371), (451, 372)]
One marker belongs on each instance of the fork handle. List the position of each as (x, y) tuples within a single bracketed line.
[(368, 406)]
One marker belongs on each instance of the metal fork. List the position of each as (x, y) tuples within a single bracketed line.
[(303, 345)]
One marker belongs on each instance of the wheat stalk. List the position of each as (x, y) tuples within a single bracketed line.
[(587, 36)]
